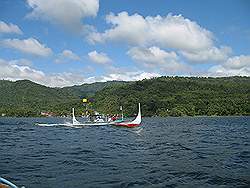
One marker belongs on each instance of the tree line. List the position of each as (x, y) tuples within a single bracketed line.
[(161, 96)]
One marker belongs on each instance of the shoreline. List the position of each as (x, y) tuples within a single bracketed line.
[(200, 116)]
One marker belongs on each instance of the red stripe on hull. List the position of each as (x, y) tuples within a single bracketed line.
[(126, 125)]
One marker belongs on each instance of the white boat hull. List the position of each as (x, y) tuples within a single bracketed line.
[(75, 124)]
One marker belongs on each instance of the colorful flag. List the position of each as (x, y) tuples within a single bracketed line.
[(84, 100)]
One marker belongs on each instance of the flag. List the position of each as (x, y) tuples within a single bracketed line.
[(84, 100), (91, 100)]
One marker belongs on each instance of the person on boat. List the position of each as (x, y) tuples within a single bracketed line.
[(109, 119), (113, 118)]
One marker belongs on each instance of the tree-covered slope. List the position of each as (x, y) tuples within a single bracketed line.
[(162, 96), (88, 90), (26, 98), (178, 96)]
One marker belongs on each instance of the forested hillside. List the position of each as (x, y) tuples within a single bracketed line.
[(163, 96), (88, 90), (179, 96), (26, 98)]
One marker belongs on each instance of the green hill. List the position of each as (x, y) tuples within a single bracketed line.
[(88, 90), (178, 96), (163, 96), (26, 98)]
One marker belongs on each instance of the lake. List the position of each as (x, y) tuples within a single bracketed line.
[(163, 152)]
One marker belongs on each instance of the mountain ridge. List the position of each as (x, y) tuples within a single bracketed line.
[(161, 96)]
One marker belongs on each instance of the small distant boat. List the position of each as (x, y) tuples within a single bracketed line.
[(99, 122), (76, 123), (136, 122)]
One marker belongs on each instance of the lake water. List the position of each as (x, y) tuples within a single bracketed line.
[(163, 152)]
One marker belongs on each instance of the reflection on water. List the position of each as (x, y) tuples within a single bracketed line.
[(163, 152)]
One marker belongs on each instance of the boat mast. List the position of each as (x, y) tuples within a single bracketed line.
[(122, 112), (74, 121)]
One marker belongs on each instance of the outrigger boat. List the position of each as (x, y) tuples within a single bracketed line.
[(76, 123), (100, 122), (136, 122)]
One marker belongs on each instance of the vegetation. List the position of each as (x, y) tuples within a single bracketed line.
[(179, 96), (163, 96), (25, 98), (88, 90)]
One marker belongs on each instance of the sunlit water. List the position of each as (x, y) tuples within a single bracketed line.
[(163, 152)]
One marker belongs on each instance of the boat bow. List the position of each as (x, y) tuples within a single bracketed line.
[(135, 122), (74, 121)]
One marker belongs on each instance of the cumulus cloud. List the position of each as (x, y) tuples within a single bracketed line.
[(67, 55), (13, 70), (29, 46), (212, 54), (123, 76), (154, 57), (130, 76), (67, 13), (187, 38), (100, 58), (238, 62), (171, 31), (234, 66), (9, 28), (22, 62)]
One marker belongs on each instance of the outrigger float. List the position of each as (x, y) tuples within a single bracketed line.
[(75, 122)]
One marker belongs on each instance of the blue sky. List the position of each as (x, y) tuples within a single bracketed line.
[(66, 42)]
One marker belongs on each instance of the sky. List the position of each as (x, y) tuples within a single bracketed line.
[(61, 43)]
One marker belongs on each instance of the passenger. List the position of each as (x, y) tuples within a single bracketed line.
[(113, 118)]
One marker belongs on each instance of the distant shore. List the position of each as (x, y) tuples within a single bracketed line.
[(198, 116), (162, 96)]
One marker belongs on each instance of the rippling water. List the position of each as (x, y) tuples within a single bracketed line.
[(163, 152)]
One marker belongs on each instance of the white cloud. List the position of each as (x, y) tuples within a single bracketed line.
[(9, 28), (234, 66), (172, 32), (220, 70), (130, 76), (12, 71), (154, 57), (100, 58), (29, 46), (66, 56), (238, 62), (22, 62), (212, 54), (63, 79), (67, 13), (169, 31), (69, 54), (123, 76)]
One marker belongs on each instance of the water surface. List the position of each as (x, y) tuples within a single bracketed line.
[(164, 152)]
